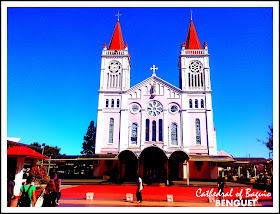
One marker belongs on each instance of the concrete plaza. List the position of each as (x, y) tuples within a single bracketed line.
[(107, 194)]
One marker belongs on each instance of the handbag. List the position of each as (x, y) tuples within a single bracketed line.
[(40, 200)]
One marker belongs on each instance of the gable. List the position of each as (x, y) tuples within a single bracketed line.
[(162, 88)]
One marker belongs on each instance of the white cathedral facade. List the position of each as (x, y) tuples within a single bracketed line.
[(155, 127), (155, 112)]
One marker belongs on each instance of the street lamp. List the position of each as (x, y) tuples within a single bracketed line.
[(43, 145)]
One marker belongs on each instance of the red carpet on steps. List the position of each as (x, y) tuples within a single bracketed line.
[(152, 192)]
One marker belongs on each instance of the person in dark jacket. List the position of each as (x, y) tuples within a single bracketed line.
[(221, 185), (50, 195), (10, 187)]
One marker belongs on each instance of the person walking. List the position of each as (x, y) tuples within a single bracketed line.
[(221, 185), (30, 189), (49, 195), (139, 189), (10, 190), (57, 182)]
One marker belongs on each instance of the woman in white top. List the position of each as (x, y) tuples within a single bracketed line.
[(139, 189)]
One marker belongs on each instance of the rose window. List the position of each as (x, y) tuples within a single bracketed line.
[(154, 108)]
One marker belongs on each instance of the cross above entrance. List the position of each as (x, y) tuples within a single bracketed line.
[(154, 69), (118, 15)]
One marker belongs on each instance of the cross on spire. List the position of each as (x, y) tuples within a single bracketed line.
[(191, 14), (154, 69), (118, 15)]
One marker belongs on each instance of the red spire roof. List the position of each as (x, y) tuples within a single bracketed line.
[(117, 39), (192, 41)]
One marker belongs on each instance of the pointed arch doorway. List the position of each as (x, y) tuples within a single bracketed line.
[(153, 165)]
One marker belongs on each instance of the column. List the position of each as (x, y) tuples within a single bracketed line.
[(238, 171), (186, 172), (143, 129), (165, 130), (19, 174)]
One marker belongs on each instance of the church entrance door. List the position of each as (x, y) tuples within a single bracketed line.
[(153, 165)]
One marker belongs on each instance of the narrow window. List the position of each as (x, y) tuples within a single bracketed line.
[(107, 103), (120, 79), (196, 103), (134, 133), (202, 103), (113, 83), (160, 130), (197, 129), (154, 131), (112, 103), (201, 80), (118, 103), (189, 80), (198, 80), (190, 103), (111, 130), (192, 80), (147, 129), (174, 138), (195, 80)]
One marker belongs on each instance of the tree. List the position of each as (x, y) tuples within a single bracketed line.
[(269, 142), (39, 148), (48, 150), (89, 140)]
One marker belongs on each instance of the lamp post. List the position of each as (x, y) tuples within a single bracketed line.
[(43, 145)]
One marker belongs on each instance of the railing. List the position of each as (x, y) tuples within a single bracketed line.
[(194, 52), (114, 52)]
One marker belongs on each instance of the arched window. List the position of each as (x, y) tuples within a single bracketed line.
[(112, 103), (196, 103), (107, 103), (174, 136), (147, 129), (134, 133), (197, 129), (202, 103), (160, 130), (111, 130), (118, 103), (190, 103), (154, 129)]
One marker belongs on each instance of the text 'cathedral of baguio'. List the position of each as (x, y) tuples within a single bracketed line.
[(155, 128)]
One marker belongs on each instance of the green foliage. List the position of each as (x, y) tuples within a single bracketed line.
[(48, 150), (89, 140), (38, 149)]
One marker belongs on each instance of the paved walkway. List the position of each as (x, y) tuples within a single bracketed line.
[(107, 194), (153, 196)]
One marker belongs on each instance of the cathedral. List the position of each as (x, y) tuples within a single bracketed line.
[(154, 128)]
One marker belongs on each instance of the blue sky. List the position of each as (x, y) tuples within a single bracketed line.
[(54, 58)]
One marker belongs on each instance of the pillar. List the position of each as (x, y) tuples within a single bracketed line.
[(18, 176), (238, 171), (186, 172), (143, 130)]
